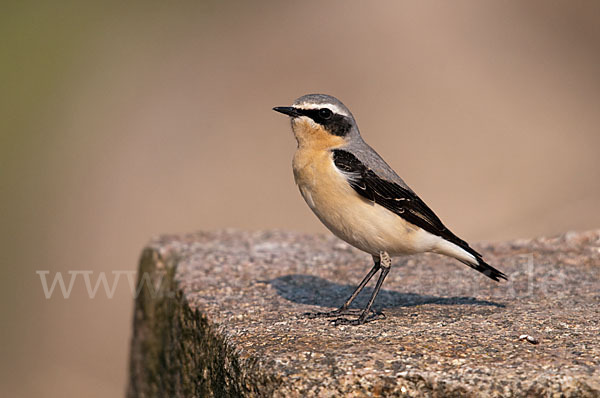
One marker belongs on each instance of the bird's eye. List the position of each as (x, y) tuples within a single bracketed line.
[(325, 113)]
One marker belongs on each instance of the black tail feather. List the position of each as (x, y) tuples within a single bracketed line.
[(485, 268)]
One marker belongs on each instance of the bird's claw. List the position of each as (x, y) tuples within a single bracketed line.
[(346, 321), (359, 321), (340, 320), (332, 314)]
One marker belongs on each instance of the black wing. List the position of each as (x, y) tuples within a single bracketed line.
[(404, 203)]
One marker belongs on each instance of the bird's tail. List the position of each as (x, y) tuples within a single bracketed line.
[(466, 255), (486, 269)]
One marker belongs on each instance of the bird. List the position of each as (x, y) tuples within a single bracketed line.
[(362, 200)]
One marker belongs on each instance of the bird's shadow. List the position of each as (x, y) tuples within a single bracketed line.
[(312, 290)]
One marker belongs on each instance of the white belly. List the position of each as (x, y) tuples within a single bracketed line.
[(363, 224)]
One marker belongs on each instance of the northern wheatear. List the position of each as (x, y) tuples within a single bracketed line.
[(354, 192)]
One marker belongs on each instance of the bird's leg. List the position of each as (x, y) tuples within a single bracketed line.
[(385, 264), (343, 310)]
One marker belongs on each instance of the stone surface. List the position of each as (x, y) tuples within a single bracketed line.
[(221, 314)]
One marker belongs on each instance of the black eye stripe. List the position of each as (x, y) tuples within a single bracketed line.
[(314, 114), (325, 113), (334, 123), (321, 116)]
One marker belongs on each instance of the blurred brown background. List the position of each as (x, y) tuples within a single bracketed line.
[(122, 121)]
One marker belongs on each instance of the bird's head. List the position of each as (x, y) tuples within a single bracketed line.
[(319, 119)]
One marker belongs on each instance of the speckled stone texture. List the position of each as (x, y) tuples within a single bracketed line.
[(221, 314)]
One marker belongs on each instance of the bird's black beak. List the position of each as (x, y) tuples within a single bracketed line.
[(287, 110)]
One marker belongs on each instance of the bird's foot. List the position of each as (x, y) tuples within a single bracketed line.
[(334, 313), (341, 312), (358, 321)]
